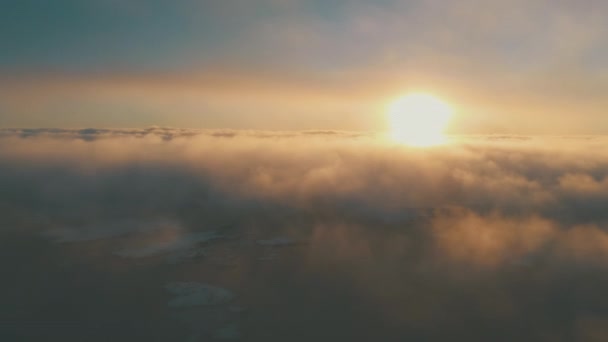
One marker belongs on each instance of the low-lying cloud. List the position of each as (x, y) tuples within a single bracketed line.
[(487, 238)]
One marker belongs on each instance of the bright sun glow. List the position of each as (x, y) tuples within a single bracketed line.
[(418, 119)]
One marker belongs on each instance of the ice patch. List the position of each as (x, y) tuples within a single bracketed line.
[(191, 294), (100, 231), (278, 242), (186, 255), (179, 245), (228, 332), (268, 257), (237, 309)]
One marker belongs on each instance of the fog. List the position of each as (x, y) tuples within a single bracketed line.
[(299, 236)]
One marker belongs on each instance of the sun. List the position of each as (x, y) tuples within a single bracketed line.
[(418, 119)]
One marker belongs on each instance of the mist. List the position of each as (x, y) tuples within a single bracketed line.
[(168, 234)]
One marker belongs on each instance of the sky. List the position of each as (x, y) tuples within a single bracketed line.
[(525, 67), (277, 170)]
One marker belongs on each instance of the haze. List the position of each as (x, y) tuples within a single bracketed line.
[(282, 170)]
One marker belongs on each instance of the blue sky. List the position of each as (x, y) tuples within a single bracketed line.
[(516, 66)]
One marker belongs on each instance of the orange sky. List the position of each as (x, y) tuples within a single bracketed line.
[(531, 67)]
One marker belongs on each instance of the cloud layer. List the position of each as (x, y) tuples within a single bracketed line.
[(487, 238)]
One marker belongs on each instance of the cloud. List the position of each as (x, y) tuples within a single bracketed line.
[(487, 236)]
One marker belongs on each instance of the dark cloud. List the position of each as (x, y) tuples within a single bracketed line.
[(166, 133), (317, 235)]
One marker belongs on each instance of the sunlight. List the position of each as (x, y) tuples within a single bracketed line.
[(418, 119)]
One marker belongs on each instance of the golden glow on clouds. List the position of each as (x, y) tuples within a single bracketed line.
[(418, 119)]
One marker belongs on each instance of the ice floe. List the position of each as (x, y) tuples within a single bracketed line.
[(186, 255), (108, 230), (190, 294), (178, 245), (228, 332), (278, 242)]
